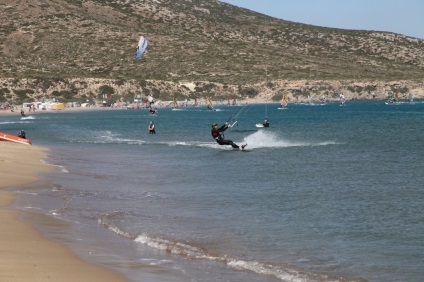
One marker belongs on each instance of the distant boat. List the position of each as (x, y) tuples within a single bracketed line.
[(13, 138)]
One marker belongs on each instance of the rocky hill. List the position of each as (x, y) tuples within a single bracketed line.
[(204, 42)]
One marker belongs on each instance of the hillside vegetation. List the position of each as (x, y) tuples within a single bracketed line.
[(190, 40)]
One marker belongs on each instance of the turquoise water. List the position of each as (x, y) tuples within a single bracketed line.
[(326, 192)]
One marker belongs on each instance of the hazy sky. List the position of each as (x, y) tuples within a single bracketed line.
[(399, 16)]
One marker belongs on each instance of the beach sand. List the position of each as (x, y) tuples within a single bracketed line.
[(25, 254)]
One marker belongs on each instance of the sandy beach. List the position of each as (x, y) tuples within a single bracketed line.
[(25, 254)]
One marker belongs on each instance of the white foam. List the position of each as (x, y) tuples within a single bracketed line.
[(27, 193), (266, 139), (178, 248), (281, 272), (8, 122), (60, 167)]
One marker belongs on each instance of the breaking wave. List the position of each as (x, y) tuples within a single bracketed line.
[(280, 271)]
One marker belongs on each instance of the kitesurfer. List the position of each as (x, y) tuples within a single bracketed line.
[(152, 128), (153, 109), (218, 136), (266, 123)]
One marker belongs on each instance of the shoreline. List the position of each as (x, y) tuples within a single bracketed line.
[(251, 101), (26, 254)]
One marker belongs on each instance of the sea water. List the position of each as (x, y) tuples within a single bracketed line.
[(326, 193)]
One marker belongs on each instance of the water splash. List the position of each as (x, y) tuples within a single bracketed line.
[(27, 117), (266, 139)]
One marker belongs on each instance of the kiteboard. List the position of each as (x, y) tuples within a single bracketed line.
[(259, 125)]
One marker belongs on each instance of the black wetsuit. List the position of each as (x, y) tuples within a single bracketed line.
[(218, 137), (21, 134)]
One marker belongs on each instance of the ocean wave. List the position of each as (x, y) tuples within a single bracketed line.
[(105, 137), (60, 167), (65, 203), (281, 272), (15, 122), (8, 122)]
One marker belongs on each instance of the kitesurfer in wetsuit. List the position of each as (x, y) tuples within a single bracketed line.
[(217, 135), (21, 134), (266, 123), (152, 128)]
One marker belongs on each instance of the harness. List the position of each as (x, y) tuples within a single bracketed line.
[(219, 133), (216, 135)]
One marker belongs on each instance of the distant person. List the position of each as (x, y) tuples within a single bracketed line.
[(23, 113), (219, 138), (342, 99), (21, 134), (150, 99), (152, 128), (266, 123), (153, 110)]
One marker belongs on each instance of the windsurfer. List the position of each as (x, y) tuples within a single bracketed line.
[(342, 99), (217, 134)]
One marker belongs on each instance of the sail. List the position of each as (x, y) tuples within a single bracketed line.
[(396, 97), (210, 106), (142, 45), (175, 106), (342, 99), (390, 98), (284, 101), (410, 98)]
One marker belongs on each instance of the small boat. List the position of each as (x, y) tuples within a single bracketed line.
[(13, 138)]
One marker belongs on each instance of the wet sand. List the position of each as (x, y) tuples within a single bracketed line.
[(26, 255)]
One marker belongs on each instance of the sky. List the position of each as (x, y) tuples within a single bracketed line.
[(399, 16)]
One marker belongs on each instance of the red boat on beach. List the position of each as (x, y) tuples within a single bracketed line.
[(13, 138)]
